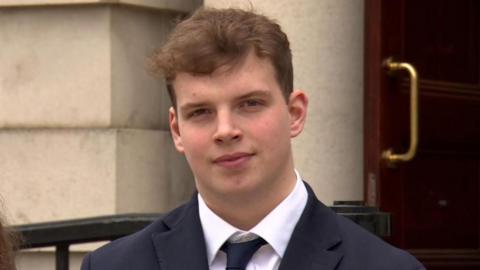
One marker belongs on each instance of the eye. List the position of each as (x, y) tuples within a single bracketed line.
[(251, 103), (198, 113)]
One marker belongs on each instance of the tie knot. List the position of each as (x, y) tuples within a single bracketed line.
[(239, 254)]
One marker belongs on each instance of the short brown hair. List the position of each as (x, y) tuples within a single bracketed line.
[(211, 38), (6, 248)]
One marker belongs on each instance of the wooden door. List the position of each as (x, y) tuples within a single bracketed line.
[(434, 199)]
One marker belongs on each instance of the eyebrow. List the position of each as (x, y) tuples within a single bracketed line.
[(260, 93)]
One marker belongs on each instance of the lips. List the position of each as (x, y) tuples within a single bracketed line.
[(234, 160)]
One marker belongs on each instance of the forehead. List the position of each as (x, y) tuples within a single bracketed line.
[(252, 73)]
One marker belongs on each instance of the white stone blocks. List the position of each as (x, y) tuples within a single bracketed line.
[(52, 174), (81, 66)]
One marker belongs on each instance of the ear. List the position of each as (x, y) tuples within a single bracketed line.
[(174, 129), (297, 108)]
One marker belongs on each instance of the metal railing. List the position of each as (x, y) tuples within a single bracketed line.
[(62, 234)]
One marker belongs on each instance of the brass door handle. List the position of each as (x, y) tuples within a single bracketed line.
[(388, 155)]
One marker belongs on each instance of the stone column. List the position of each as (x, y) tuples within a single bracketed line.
[(327, 42), (83, 125)]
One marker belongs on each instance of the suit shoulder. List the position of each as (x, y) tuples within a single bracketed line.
[(135, 251), (359, 245)]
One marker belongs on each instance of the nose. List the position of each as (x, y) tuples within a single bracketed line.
[(226, 131)]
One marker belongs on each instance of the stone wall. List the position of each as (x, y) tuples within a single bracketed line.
[(83, 125)]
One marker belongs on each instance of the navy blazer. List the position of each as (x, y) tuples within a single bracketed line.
[(321, 240)]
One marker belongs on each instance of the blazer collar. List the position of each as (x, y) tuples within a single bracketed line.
[(313, 242), (311, 247), (182, 246)]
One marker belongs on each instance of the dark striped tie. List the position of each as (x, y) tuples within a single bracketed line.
[(239, 254)]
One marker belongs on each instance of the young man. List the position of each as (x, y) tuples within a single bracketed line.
[(229, 75)]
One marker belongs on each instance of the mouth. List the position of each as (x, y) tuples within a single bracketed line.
[(235, 160)]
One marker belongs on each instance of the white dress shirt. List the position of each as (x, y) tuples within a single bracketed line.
[(276, 228)]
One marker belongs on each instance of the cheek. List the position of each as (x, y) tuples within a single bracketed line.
[(195, 143), (272, 132)]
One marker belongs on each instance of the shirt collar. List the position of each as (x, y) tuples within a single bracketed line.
[(215, 230), (276, 228)]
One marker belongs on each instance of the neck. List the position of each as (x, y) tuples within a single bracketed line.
[(244, 211)]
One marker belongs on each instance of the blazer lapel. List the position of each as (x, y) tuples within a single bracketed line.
[(313, 242), (182, 247), (311, 247)]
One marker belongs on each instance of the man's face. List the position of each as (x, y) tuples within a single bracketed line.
[(234, 127)]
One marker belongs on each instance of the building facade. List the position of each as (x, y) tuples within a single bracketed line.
[(84, 126)]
